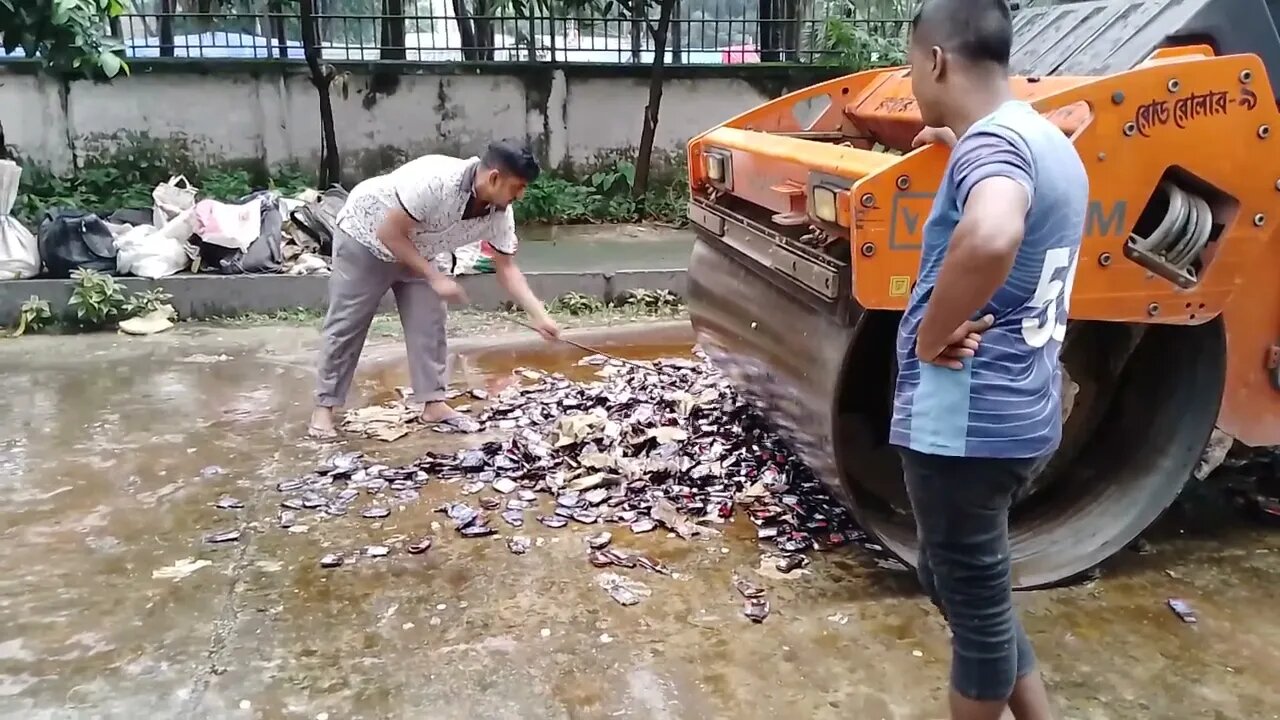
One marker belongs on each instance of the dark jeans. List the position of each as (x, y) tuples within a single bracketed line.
[(961, 507)]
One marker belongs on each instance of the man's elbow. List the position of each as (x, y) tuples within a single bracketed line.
[(388, 235), (996, 242)]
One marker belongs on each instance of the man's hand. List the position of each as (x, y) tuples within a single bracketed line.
[(961, 345), (512, 280), (546, 327), (448, 289), (941, 135)]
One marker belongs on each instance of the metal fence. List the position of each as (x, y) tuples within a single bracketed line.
[(703, 32)]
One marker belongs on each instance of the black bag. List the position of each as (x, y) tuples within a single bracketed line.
[(132, 216), (71, 239), (319, 219), (265, 253)]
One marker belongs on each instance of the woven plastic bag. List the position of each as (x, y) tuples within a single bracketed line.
[(170, 199)]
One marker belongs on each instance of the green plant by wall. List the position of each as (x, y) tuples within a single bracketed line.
[(640, 301), (96, 298), (604, 196), (97, 301), (145, 302), (575, 304), (127, 179), (650, 300), (34, 315), (106, 187)]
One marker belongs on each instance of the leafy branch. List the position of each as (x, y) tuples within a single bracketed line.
[(70, 36)]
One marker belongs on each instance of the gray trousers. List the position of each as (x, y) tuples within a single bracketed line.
[(357, 283)]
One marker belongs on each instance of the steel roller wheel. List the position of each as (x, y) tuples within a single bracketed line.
[(1147, 401)]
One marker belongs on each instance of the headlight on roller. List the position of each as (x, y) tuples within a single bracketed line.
[(824, 204), (715, 167)]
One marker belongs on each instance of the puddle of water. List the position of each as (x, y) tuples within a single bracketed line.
[(562, 358), (492, 368)]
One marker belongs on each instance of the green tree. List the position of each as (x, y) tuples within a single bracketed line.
[(70, 36), (659, 32), (641, 14)]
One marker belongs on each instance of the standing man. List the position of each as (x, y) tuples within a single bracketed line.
[(977, 403), (388, 231)]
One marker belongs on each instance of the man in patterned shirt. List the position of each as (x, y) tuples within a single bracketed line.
[(978, 402), (388, 232)]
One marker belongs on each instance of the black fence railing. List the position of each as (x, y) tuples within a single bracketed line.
[(824, 33)]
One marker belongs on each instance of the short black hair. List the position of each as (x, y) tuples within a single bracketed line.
[(512, 159), (979, 31)]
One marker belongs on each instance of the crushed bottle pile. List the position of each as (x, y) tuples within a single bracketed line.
[(668, 445)]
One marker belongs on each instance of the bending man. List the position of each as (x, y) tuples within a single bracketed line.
[(978, 400), (388, 231)]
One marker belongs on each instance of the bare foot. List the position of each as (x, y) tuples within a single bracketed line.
[(322, 426), (434, 412)]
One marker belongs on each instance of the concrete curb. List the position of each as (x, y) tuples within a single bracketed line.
[(205, 296)]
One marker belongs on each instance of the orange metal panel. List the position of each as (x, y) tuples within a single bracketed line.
[(1250, 404), (780, 116), (1212, 117), (890, 113), (1124, 169)]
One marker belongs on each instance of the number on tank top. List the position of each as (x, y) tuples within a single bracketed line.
[(1052, 297)]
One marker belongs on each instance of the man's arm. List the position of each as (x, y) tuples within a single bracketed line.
[(513, 281), (395, 232), (994, 178), (504, 244)]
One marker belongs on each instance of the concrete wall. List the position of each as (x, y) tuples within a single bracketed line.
[(576, 116)]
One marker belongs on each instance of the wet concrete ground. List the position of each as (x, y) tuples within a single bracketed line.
[(114, 449)]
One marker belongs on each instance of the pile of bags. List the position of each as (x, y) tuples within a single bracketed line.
[(181, 232), (261, 233)]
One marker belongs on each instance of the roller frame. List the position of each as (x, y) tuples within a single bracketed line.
[(791, 347)]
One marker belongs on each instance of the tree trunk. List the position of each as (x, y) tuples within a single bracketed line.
[(638, 25), (791, 30), (204, 8), (483, 29), (645, 156), (276, 24), (466, 31), (166, 27), (677, 34), (392, 40), (770, 37), (321, 77)]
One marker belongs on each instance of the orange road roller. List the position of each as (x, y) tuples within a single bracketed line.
[(809, 212)]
